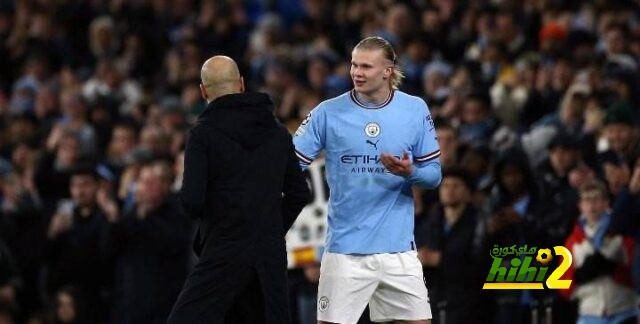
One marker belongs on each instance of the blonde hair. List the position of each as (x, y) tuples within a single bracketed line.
[(376, 42)]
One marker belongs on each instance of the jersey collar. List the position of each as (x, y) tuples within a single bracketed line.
[(355, 99)]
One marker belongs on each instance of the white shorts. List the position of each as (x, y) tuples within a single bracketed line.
[(391, 283)]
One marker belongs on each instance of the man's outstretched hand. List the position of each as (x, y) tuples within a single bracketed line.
[(402, 168)]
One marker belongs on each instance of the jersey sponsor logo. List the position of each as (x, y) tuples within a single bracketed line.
[(375, 145), (363, 163), (360, 159), (372, 129), (369, 170)]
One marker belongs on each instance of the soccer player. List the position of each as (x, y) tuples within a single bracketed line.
[(378, 142)]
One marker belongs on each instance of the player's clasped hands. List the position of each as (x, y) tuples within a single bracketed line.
[(396, 166)]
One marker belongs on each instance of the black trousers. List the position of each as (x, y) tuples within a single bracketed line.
[(217, 293)]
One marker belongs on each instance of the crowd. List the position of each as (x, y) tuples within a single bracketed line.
[(536, 106)]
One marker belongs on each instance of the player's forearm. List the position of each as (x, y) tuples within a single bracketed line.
[(426, 176)]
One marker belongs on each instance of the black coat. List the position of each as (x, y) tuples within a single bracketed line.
[(243, 182), (455, 284), (77, 257), (152, 261)]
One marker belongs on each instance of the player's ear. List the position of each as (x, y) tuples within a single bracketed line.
[(387, 72), (203, 92)]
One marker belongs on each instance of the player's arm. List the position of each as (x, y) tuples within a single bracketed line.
[(426, 175), (309, 139), (427, 172)]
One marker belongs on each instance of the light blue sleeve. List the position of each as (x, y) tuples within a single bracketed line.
[(427, 172), (309, 139)]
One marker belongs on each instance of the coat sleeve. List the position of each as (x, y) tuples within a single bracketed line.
[(296, 193), (194, 182)]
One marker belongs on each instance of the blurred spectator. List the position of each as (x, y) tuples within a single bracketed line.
[(601, 261), (560, 197), (10, 281), (552, 80), (454, 266), (448, 142), (75, 243), (124, 138), (22, 228), (620, 132), (615, 46), (69, 307), (509, 34), (568, 119), (110, 83), (142, 240), (478, 123), (625, 215), (103, 40), (477, 162), (74, 119), (155, 140), (512, 216), (54, 170), (436, 82), (551, 38)]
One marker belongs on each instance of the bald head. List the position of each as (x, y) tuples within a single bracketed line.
[(220, 76)]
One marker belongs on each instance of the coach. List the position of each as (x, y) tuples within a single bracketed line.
[(243, 183)]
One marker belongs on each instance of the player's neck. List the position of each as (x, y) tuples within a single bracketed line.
[(375, 98)]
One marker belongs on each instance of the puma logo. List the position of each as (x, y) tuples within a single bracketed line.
[(375, 145)]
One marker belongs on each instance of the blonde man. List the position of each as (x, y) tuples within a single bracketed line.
[(378, 143)]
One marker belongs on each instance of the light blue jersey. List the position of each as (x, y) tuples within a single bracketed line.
[(370, 209)]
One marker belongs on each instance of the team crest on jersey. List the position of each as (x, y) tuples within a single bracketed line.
[(323, 303), (372, 129)]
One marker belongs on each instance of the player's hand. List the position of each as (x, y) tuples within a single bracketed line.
[(402, 168)]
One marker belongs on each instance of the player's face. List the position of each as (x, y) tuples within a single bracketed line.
[(370, 71)]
